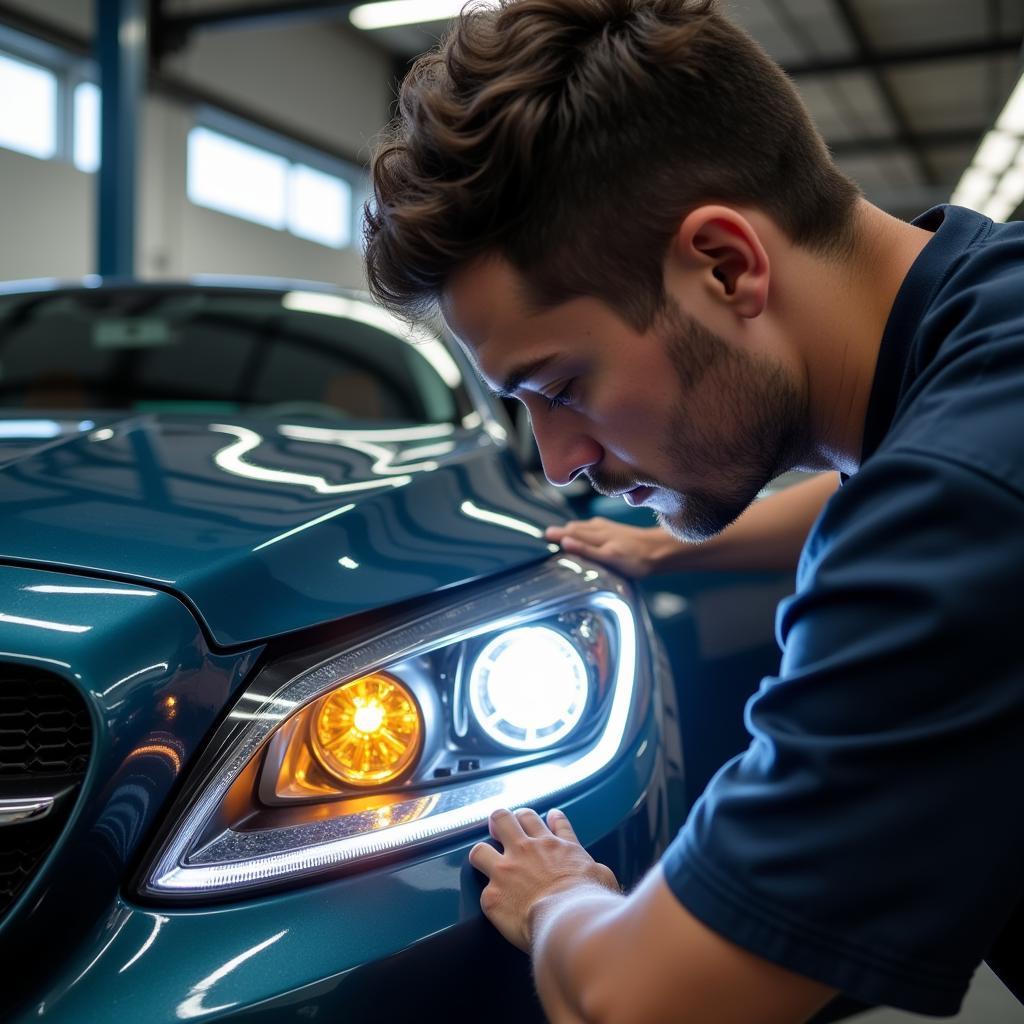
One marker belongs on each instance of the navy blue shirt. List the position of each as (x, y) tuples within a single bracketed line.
[(872, 835)]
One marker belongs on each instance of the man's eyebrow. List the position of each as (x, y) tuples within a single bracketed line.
[(512, 383)]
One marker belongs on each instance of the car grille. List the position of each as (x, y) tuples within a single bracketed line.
[(45, 739)]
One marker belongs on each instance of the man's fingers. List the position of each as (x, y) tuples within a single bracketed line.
[(504, 826), (559, 824), (576, 546), (533, 824), (485, 858), (593, 530)]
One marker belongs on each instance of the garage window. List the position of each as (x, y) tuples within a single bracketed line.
[(319, 207), (28, 108), (233, 177), (275, 189), (49, 101), (87, 126)]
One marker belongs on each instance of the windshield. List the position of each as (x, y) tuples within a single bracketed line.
[(190, 350)]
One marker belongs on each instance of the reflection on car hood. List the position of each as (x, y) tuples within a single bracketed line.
[(268, 527)]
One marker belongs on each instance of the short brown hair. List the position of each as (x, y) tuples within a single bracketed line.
[(572, 136)]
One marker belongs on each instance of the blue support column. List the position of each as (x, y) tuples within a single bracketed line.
[(122, 54)]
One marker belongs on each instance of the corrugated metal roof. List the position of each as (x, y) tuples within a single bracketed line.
[(903, 90)]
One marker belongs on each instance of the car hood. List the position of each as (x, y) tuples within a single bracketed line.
[(266, 527)]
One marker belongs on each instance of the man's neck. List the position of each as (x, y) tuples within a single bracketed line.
[(843, 309)]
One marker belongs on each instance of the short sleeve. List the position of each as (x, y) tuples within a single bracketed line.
[(872, 835)]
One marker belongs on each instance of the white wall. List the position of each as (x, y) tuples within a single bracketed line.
[(326, 81), (46, 209), (330, 83), (177, 238)]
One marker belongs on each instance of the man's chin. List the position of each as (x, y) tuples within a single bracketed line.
[(683, 529), (697, 518)]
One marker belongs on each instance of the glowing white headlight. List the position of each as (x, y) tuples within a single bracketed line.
[(528, 688)]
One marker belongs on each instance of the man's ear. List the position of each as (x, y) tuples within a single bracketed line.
[(722, 247)]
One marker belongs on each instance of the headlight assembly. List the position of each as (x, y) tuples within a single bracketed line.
[(413, 734)]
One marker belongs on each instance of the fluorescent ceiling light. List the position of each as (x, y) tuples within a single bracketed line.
[(994, 161), (1011, 186), (390, 13), (996, 152), (999, 208), (974, 189), (1012, 117)]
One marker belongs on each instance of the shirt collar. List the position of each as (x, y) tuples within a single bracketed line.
[(953, 230)]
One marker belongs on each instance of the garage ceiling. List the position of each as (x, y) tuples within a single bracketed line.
[(903, 90)]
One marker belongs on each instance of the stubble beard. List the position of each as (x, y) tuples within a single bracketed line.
[(756, 429)]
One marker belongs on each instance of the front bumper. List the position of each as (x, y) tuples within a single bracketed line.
[(408, 938)]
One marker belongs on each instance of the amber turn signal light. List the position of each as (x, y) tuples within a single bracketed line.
[(368, 731)]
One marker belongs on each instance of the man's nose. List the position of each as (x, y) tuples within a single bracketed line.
[(565, 454)]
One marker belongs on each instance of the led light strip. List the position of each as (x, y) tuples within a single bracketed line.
[(474, 801)]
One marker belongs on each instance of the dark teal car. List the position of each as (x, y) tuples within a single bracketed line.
[(279, 627)]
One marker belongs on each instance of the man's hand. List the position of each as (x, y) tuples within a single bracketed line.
[(767, 537), (538, 861), (599, 955), (633, 550)]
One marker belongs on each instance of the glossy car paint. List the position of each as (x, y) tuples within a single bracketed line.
[(250, 520), (192, 964), (325, 945), (154, 690), (156, 562)]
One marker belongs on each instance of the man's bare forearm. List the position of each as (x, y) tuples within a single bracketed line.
[(569, 951), (769, 535), (600, 957)]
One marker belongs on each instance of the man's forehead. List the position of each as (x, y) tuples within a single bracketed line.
[(485, 306), (482, 297)]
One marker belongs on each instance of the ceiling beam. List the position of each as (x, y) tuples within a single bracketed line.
[(254, 14), (998, 45), (994, 47), (865, 51), (183, 92), (869, 145)]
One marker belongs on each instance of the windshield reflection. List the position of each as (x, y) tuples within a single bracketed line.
[(189, 349)]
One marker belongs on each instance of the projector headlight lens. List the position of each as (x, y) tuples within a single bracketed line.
[(528, 688), (412, 733)]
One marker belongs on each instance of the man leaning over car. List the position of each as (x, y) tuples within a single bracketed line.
[(625, 215)]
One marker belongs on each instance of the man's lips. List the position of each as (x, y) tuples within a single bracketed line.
[(637, 496)]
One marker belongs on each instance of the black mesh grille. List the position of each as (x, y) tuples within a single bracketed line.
[(45, 737), (44, 725), (19, 858)]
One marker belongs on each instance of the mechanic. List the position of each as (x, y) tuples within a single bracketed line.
[(624, 213)]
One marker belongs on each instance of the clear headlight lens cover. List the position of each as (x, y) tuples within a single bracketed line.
[(413, 734)]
